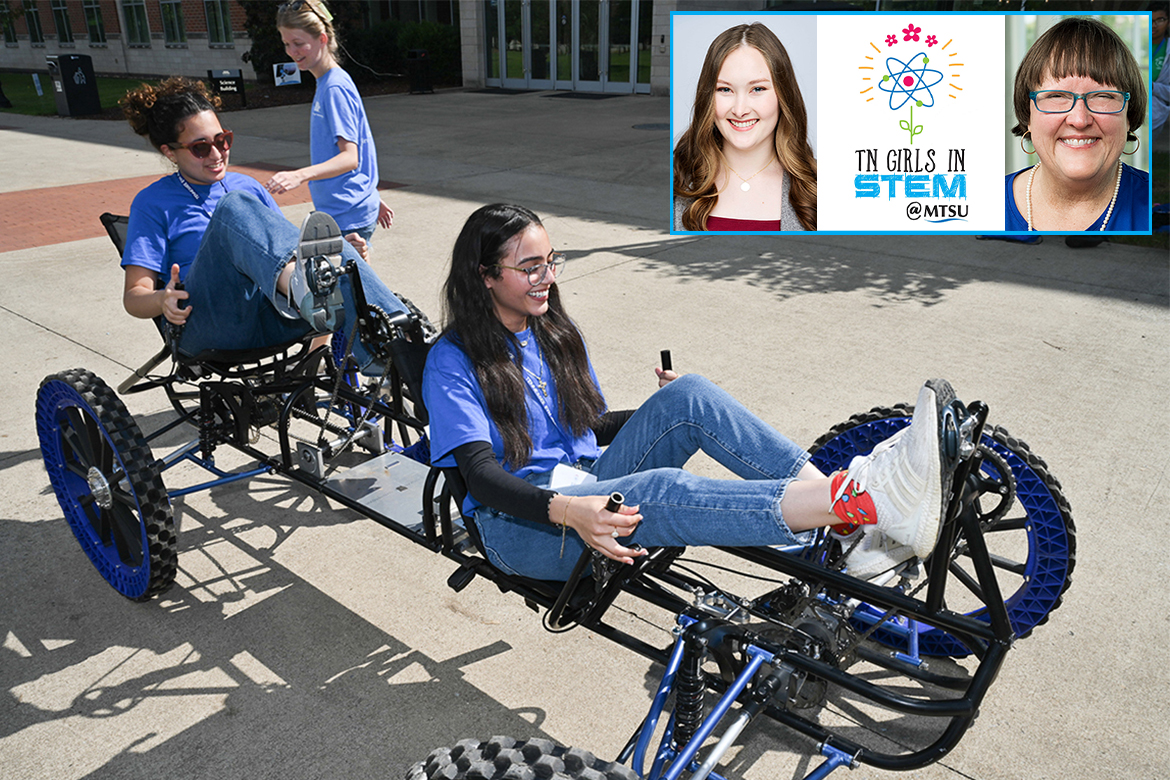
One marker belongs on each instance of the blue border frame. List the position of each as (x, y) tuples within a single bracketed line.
[(995, 233)]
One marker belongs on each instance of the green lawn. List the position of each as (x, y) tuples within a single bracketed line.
[(19, 89)]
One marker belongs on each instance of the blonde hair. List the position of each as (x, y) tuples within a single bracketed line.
[(312, 16), (696, 157)]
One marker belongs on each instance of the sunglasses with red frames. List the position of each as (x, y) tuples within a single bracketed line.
[(200, 149)]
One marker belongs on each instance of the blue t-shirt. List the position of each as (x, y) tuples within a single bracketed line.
[(1131, 212), (167, 223), (351, 198), (459, 414)]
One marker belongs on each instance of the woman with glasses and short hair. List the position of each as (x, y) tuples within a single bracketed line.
[(515, 405), (343, 174), (209, 250), (1079, 97)]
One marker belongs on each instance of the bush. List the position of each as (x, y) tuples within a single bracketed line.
[(441, 42)]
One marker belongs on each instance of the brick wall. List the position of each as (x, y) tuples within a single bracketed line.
[(113, 58)]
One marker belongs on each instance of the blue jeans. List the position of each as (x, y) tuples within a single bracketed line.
[(367, 232), (644, 464), (232, 282)]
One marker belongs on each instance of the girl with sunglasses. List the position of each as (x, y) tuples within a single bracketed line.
[(343, 176), (209, 250), (515, 405)]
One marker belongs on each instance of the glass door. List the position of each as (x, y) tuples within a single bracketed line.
[(585, 45), (588, 47), (525, 34)]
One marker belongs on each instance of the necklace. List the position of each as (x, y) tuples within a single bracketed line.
[(1108, 211), (745, 186), (541, 385)]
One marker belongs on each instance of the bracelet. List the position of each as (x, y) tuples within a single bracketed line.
[(565, 524)]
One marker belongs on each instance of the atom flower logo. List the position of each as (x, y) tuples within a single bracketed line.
[(912, 82)]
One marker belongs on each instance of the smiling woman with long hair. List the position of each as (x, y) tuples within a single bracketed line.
[(745, 163), (515, 404)]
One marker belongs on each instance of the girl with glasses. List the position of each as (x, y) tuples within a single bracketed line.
[(343, 174), (515, 405), (209, 250), (745, 162), (1079, 97)]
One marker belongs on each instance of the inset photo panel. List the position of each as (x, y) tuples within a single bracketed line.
[(743, 122)]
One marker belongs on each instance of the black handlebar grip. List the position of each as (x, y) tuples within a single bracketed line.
[(665, 357), (615, 502)]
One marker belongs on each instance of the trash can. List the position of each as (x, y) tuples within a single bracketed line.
[(418, 67), (74, 85)]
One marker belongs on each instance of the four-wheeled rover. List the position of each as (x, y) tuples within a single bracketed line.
[(758, 633)]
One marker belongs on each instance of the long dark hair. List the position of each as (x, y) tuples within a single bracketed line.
[(470, 316), (696, 157)]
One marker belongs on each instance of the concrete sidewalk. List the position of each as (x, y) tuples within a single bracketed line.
[(303, 641)]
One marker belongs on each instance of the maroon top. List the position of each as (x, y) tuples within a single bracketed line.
[(726, 223)]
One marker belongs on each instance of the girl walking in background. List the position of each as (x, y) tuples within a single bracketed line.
[(343, 176)]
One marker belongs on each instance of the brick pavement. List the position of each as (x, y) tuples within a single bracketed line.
[(55, 215)]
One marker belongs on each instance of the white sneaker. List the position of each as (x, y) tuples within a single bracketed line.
[(904, 475), (312, 288), (873, 553)]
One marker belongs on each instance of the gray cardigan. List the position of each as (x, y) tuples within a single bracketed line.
[(788, 219)]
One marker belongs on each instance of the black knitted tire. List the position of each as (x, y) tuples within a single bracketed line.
[(504, 758), (107, 483)]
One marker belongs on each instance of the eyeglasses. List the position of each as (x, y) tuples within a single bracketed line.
[(1058, 101), (200, 149), (537, 273)]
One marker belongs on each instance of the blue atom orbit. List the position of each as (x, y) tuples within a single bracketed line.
[(910, 82)]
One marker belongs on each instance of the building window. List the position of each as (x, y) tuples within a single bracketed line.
[(137, 30), (93, 20), (219, 23), (61, 22), (172, 19), (6, 23), (32, 19)]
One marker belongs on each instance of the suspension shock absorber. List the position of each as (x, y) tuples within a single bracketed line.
[(689, 690)]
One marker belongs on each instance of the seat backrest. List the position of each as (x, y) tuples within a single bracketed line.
[(116, 226)]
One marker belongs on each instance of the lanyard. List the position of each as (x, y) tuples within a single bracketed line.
[(539, 387), (201, 201)]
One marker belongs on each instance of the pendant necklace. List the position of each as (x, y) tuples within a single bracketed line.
[(1108, 211), (745, 186), (540, 383)]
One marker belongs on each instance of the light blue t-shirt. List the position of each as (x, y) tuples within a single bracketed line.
[(167, 223), (351, 198), (459, 415)]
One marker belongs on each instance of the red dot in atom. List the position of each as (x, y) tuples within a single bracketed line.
[(908, 80)]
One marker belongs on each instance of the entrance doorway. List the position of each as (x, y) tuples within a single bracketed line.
[(580, 45)]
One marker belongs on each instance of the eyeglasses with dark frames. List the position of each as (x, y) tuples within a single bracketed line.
[(200, 149), (537, 273), (1059, 101)]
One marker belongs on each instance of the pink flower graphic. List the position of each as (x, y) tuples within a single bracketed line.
[(911, 32), (931, 40), (891, 40)]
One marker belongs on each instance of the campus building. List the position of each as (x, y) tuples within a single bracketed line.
[(616, 46)]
